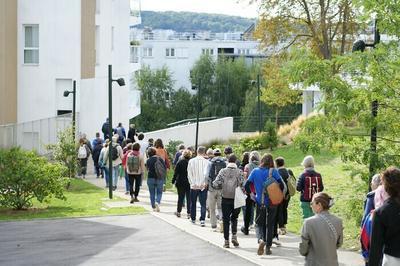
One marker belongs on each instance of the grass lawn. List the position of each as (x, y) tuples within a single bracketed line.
[(348, 192), (83, 199)]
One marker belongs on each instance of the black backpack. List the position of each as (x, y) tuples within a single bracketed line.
[(114, 152), (216, 166)]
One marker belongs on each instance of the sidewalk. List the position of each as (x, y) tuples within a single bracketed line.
[(285, 255)]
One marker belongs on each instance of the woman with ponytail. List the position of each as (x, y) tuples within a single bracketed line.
[(322, 234)]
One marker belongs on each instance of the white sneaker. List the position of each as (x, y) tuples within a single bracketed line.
[(157, 207), (202, 223)]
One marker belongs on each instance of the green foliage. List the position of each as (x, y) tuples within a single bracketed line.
[(189, 21), (251, 143), (172, 147), (269, 139), (25, 176), (64, 152)]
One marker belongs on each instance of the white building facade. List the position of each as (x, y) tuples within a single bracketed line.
[(62, 41)]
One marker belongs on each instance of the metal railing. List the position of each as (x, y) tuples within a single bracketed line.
[(35, 135)]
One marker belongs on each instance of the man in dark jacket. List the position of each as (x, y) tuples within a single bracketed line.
[(105, 129), (95, 157)]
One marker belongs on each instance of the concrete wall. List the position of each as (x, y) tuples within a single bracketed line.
[(8, 61), (221, 129)]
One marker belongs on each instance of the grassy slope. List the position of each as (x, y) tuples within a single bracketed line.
[(83, 199), (348, 192)]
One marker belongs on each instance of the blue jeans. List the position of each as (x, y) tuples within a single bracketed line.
[(156, 189), (106, 175), (126, 182), (202, 195), (115, 175)]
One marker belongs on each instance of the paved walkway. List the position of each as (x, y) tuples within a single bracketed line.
[(285, 255)]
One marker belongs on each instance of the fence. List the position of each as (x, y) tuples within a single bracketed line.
[(35, 135)]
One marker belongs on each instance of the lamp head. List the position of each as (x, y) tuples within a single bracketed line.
[(253, 82), (121, 82), (359, 46), (66, 93)]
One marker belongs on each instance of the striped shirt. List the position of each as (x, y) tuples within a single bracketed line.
[(197, 172)]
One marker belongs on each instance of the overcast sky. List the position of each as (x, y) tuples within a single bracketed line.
[(228, 7)]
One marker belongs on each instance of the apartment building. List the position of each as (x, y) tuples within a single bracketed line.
[(45, 45)]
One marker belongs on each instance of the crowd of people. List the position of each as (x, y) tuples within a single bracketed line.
[(258, 186)]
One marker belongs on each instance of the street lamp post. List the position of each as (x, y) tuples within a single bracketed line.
[(66, 93), (121, 82), (198, 112), (253, 82), (360, 46)]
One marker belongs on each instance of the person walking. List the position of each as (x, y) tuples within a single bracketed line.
[(135, 168), (83, 153), (116, 156), (308, 184), (248, 210), (97, 140), (105, 129), (181, 182), (322, 234), (154, 182), (197, 175), (160, 151), (178, 154), (265, 212), (95, 156), (385, 237), (132, 132), (103, 162), (282, 211), (228, 179)]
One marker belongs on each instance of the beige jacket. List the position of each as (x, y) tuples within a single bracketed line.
[(118, 161), (318, 241)]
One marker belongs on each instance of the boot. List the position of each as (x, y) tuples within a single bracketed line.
[(221, 226), (268, 251), (261, 245), (132, 200), (235, 241), (226, 245)]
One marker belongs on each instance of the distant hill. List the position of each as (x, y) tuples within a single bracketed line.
[(189, 21)]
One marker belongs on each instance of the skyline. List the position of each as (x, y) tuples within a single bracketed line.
[(226, 7)]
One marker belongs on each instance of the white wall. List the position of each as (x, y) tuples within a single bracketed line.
[(221, 129), (59, 55)]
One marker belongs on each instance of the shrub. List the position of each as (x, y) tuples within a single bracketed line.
[(25, 175), (251, 143), (269, 139), (288, 132), (64, 152), (172, 147)]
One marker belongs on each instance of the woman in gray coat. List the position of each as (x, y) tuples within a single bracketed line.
[(321, 234)]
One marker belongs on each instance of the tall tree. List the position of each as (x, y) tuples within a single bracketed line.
[(323, 25)]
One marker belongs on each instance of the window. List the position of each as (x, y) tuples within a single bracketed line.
[(147, 52), (31, 44), (134, 54), (170, 52), (208, 51)]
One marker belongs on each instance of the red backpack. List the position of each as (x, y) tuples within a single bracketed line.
[(312, 185)]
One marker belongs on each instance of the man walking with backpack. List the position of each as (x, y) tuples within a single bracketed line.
[(308, 184), (197, 175), (214, 195), (116, 156), (135, 168)]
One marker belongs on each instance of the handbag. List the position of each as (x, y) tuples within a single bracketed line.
[(240, 198), (273, 190)]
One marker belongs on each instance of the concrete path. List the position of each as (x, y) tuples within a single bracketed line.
[(285, 255), (112, 240)]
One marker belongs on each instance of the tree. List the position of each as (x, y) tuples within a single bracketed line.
[(277, 92), (323, 25), (182, 105)]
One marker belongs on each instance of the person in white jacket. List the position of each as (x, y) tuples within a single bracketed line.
[(197, 175)]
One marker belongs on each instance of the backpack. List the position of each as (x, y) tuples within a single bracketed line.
[(114, 152), (159, 168), (273, 190), (82, 152), (291, 183), (216, 166), (133, 162), (312, 185)]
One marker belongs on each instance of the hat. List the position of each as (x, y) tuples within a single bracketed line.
[(228, 150), (217, 152)]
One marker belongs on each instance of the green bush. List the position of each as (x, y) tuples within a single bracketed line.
[(172, 148), (251, 143), (25, 175), (64, 152), (269, 139)]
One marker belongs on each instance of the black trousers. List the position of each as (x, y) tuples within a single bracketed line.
[(266, 223), (248, 212), (229, 216), (283, 213), (183, 191), (134, 180)]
